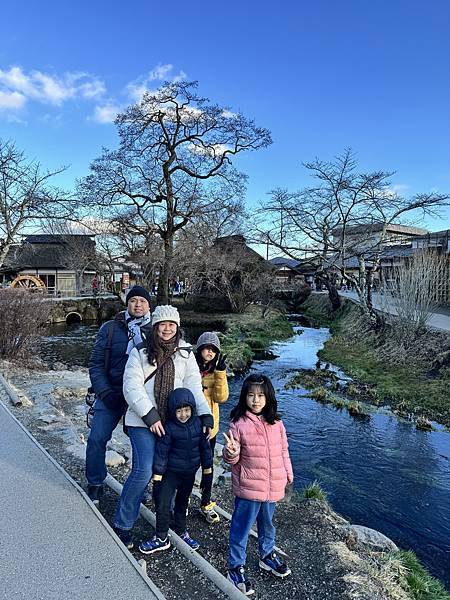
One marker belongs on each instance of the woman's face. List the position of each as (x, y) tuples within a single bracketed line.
[(256, 399), (208, 353), (166, 330)]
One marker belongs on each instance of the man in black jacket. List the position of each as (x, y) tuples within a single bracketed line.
[(114, 342)]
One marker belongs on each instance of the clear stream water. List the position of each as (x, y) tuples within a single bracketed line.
[(381, 473)]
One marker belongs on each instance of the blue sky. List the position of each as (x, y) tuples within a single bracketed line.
[(321, 75)]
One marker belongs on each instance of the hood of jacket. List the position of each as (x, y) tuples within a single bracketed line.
[(178, 398)]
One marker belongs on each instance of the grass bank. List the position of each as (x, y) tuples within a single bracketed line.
[(243, 336), (410, 373)]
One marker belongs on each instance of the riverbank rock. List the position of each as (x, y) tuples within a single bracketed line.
[(114, 459), (370, 538)]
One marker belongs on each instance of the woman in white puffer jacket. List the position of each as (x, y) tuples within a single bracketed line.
[(155, 368)]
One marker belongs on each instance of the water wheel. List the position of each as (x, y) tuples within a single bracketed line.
[(28, 282)]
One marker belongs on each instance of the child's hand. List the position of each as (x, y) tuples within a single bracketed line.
[(231, 445), (290, 479), (220, 362)]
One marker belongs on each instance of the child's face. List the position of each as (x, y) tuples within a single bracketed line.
[(208, 353), (256, 399), (183, 414)]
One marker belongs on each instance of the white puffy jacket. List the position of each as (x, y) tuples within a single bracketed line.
[(141, 398)]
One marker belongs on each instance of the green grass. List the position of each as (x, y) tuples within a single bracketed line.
[(249, 333), (407, 387), (314, 491), (413, 578)]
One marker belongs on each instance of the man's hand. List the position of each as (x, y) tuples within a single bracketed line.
[(158, 429)]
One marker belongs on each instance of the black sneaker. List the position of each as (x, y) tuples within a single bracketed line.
[(273, 563), (238, 578), (95, 492), (125, 537)]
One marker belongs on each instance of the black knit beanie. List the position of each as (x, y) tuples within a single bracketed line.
[(137, 290)]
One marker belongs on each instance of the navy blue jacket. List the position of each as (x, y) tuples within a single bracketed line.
[(107, 382), (184, 446)]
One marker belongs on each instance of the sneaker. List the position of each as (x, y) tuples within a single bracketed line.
[(237, 578), (273, 563), (125, 537), (208, 512), (154, 545), (189, 541), (95, 492)]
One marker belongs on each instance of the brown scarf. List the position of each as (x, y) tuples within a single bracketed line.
[(165, 377)]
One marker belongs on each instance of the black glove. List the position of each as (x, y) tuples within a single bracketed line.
[(206, 482), (220, 362)]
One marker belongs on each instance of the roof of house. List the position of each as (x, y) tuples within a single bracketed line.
[(48, 252), (374, 227)]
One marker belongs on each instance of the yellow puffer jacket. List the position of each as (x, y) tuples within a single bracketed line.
[(215, 388)]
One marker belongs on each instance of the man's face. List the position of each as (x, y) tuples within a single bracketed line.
[(138, 306)]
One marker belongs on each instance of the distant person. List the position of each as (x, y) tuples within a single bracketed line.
[(95, 286), (257, 448), (162, 363), (113, 344), (178, 455), (213, 370)]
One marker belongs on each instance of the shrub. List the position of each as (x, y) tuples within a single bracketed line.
[(314, 491), (24, 313)]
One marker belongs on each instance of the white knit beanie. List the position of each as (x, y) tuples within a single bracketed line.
[(165, 313)]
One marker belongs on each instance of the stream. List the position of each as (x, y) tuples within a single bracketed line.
[(382, 472)]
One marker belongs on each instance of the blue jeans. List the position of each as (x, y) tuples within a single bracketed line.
[(143, 445), (104, 422), (246, 512)]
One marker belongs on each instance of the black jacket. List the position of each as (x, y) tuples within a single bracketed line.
[(184, 447), (108, 360)]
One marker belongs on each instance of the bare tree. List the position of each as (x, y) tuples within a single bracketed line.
[(75, 250), (174, 163), (414, 292), (27, 313), (26, 196), (345, 216), (231, 271)]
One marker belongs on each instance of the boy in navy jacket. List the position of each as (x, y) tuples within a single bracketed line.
[(178, 455)]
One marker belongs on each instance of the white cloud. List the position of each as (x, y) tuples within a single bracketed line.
[(106, 113), (48, 88), (11, 100), (136, 88)]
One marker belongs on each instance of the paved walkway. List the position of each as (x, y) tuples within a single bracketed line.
[(53, 544), (438, 320)]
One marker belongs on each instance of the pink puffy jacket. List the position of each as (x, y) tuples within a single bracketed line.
[(262, 467)]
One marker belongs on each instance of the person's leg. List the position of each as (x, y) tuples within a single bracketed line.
[(266, 530), (206, 492), (103, 424), (163, 500), (185, 484), (143, 445), (244, 515)]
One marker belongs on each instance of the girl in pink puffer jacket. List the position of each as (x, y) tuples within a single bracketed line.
[(257, 448)]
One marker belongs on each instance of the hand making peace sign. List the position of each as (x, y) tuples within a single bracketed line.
[(232, 445)]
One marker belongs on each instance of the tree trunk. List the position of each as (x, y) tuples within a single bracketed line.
[(333, 294), (166, 271)]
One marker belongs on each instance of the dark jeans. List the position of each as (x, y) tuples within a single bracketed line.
[(182, 484), (206, 491), (103, 424)]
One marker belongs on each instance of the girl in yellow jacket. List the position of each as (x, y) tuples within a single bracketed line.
[(215, 388)]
